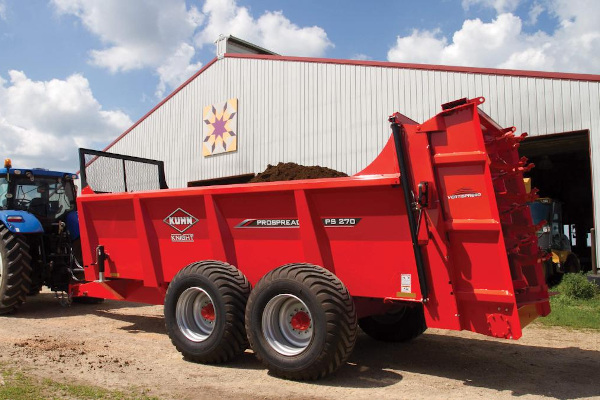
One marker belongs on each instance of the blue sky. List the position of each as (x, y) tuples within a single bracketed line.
[(79, 72)]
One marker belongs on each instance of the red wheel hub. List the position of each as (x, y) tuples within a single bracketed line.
[(300, 321), (208, 312)]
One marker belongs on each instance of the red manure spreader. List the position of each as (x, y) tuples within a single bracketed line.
[(434, 233)]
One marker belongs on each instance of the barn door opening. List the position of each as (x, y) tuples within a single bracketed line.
[(562, 174)]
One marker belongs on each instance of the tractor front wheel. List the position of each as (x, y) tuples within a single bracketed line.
[(401, 325), (15, 270)]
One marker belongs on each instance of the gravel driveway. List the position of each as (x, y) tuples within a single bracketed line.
[(120, 345)]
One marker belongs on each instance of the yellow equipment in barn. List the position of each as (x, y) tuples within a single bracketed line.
[(551, 237)]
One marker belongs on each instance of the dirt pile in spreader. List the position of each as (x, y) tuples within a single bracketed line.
[(292, 172)]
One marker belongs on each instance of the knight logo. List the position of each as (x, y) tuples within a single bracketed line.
[(464, 193), (184, 237), (181, 221)]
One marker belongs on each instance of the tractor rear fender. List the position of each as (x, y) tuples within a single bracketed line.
[(20, 221)]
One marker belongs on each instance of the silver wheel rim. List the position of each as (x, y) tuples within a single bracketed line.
[(287, 324), (195, 314)]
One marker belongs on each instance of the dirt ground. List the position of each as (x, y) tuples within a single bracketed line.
[(122, 345)]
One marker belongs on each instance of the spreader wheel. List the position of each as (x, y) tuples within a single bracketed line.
[(204, 311), (15, 270), (301, 322), (400, 325)]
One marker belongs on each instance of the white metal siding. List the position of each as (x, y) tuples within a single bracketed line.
[(335, 115)]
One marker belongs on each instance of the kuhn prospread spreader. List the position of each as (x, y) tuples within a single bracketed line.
[(435, 232)]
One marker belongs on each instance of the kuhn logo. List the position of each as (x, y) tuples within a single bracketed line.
[(464, 193), (180, 220)]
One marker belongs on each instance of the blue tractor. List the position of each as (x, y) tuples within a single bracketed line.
[(39, 233)]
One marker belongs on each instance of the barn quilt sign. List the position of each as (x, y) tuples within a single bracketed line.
[(220, 128)]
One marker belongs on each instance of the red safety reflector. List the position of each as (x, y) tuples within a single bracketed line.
[(14, 218)]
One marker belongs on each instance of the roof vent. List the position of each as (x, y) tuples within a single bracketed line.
[(231, 44)]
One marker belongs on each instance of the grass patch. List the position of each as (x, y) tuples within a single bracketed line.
[(577, 286), (572, 312), (17, 385)]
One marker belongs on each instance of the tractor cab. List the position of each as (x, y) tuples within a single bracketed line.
[(39, 207), (49, 196)]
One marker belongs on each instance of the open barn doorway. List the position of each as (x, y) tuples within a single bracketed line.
[(562, 174)]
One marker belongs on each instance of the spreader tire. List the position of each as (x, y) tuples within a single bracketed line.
[(204, 311), (403, 325), (15, 270), (301, 322)]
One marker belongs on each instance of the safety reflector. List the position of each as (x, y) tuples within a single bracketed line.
[(14, 218)]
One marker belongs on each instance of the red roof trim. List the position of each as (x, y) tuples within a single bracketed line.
[(429, 67), (184, 84)]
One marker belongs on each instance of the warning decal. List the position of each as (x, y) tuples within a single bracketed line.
[(406, 283)]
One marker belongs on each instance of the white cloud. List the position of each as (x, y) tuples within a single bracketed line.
[(361, 57), (419, 47), (476, 43), (272, 30), (165, 35), (574, 46), (42, 123), (534, 12), (501, 6), (177, 68), (137, 35), (149, 34), (2, 10)]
